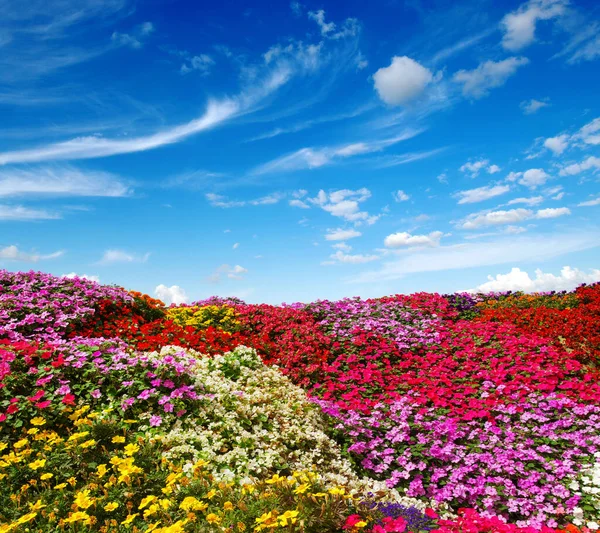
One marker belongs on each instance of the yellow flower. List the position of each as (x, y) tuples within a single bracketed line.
[(337, 490), (276, 479), (211, 494), (60, 486), (37, 421), (36, 506), (88, 443), (21, 444), (192, 504), (77, 436), (360, 524), (79, 516), (288, 518), (39, 463), (152, 510), (212, 518), (101, 470), (26, 518), (165, 503), (118, 439), (130, 518), (46, 476), (3, 446), (241, 526), (131, 449), (151, 527), (228, 506), (301, 489), (83, 500), (145, 501), (33, 431), (111, 506)]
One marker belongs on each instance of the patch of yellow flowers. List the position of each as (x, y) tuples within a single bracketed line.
[(108, 480), (202, 317)]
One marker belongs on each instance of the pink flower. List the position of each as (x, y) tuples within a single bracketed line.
[(155, 421)]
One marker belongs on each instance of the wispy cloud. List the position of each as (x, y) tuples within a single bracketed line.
[(12, 253), (120, 256), (403, 159), (19, 212), (514, 249), (308, 158), (59, 181), (216, 113), (218, 200)]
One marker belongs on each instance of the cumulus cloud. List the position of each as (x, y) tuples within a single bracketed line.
[(12, 253), (481, 193), (343, 203), (402, 81), (341, 234), (488, 75), (577, 168), (534, 177), (529, 107), (120, 256), (557, 144), (532, 200), (519, 26), (171, 295), (59, 181), (82, 276), (201, 63), (475, 167), (510, 216), (404, 239), (400, 196), (519, 280), (235, 272)]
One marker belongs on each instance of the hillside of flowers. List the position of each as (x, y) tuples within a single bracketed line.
[(422, 413)]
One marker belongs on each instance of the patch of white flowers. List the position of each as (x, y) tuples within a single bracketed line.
[(253, 421), (588, 487)]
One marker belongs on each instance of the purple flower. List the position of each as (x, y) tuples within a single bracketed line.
[(155, 420)]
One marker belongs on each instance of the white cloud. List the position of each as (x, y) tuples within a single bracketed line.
[(18, 212), (59, 181), (120, 256), (171, 295), (400, 196), (474, 167), (218, 200), (399, 240), (402, 81), (342, 246), (349, 28), (299, 203), (82, 276), (503, 250), (481, 193), (519, 26), (552, 212), (319, 18), (488, 75), (533, 200), (577, 168), (236, 246), (533, 178), (511, 216), (344, 203), (216, 113), (529, 107), (590, 203), (341, 234), (135, 38), (201, 63), (310, 158), (557, 144), (12, 253), (354, 259), (519, 280), (235, 272)]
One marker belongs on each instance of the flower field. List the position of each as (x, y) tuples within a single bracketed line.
[(450, 413)]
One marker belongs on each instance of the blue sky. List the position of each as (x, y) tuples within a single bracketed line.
[(293, 151)]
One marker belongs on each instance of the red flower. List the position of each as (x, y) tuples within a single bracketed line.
[(12, 409), (69, 399)]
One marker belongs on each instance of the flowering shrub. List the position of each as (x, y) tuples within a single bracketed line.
[(201, 317)]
